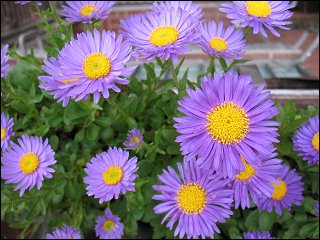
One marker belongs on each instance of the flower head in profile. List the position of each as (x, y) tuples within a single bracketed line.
[(195, 198), (257, 235), (225, 119), (110, 173), (27, 163), (86, 11), (219, 42), (287, 192), (6, 131), (259, 15), (4, 61), (164, 35), (109, 226), (134, 139), (39, 3), (66, 232), (306, 141)]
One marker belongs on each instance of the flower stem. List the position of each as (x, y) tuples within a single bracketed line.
[(247, 32), (223, 64), (211, 69)]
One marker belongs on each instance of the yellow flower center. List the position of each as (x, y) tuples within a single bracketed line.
[(161, 36), (3, 133), (192, 198), (87, 10), (315, 140), (260, 9), (96, 66), (29, 162), (70, 80), (228, 123), (112, 175), (108, 225), (247, 173), (135, 140), (279, 190), (218, 43)]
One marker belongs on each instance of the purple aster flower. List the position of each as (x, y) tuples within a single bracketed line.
[(110, 173), (224, 119), (39, 3), (194, 10), (92, 64), (109, 226), (6, 131), (134, 139), (259, 14), (87, 11), (161, 35), (196, 198), (306, 141), (316, 208), (66, 232), (4, 61), (27, 163), (256, 235), (255, 179), (288, 192), (219, 42)]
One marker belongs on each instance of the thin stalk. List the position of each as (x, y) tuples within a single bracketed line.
[(211, 69), (223, 64), (174, 74), (247, 32)]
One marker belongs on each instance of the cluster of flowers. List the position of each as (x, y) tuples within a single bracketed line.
[(226, 133)]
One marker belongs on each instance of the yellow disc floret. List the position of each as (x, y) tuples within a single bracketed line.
[(228, 123), (163, 35), (260, 9), (112, 175), (279, 190), (96, 66), (247, 173), (3, 133), (88, 9), (135, 140), (108, 225), (315, 141), (218, 43), (192, 198), (29, 162)]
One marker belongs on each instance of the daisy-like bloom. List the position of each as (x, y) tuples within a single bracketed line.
[(110, 173), (6, 131), (287, 192), (93, 64), (196, 198), (129, 22), (66, 232), (162, 35), (109, 226), (4, 61), (257, 235), (39, 3), (219, 42), (134, 139), (224, 119), (255, 180), (87, 11), (27, 163), (306, 141), (194, 10), (259, 14)]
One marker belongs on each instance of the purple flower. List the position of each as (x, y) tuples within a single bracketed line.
[(306, 141), (316, 208), (27, 163), (224, 119), (4, 61), (87, 11), (256, 235), (162, 35), (39, 3), (92, 64), (289, 191), (194, 10), (196, 198), (134, 139), (110, 173), (66, 232), (255, 180), (219, 42), (109, 226), (259, 14), (6, 131)]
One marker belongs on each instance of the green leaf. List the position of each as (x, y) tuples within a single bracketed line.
[(266, 220), (92, 133), (179, 66), (74, 114)]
